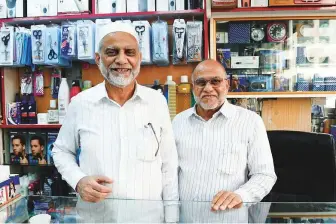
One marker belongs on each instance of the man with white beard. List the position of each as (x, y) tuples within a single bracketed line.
[(127, 144), (224, 153)]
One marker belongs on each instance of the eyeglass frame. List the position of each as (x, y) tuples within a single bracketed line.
[(209, 81)]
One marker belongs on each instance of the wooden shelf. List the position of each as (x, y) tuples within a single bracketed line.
[(309, 94), (128, 15), (31, 126)]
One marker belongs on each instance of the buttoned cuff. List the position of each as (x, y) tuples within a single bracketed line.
[(245, 196), (75, 177)]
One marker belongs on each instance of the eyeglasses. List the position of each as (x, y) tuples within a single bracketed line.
[(214, 82)]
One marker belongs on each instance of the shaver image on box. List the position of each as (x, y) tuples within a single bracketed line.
[(11, 8)]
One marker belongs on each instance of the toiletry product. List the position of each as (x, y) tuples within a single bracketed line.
[(170, 94), (63, 100), (52, 113), (157, 86)]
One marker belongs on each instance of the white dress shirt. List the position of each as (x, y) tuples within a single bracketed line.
[(119, 142), (229, 152)]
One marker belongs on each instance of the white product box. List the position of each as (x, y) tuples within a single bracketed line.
[(245, 62)]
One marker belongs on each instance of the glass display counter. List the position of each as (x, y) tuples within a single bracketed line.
[(71, 210)]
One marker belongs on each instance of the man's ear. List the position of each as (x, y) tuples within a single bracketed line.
[(97, 58)]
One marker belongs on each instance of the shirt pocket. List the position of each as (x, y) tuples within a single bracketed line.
[(148, 143), (230, 158)]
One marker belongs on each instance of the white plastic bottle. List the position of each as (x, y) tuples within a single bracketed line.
[(170, 94), (63, 100)]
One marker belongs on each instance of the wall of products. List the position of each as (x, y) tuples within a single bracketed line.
[(231, 4), (278, 56), (35, 8), (58, 45)]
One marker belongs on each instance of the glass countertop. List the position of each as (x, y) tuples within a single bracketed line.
[(74, 210)]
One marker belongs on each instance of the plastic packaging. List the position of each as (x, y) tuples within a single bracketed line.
[(160, 43)]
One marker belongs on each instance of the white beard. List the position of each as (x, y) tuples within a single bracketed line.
[(206, 106), (118, 79)]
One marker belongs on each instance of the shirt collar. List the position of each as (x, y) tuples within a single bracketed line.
[(227, 110), (101, 92)]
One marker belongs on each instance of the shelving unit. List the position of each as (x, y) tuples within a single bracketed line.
[(10, 76), (308, 94)]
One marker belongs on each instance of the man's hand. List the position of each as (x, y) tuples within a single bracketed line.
[(226, 199), (90, 188)]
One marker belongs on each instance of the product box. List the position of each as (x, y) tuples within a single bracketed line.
[(239, 83), (37, 148), (224, 57), (51, 136), (41, 8), (224, 4), (252, 3), (13, 185), (245, 62), (73, 6), (3, 193), (260, 83), (281, 83), (18, 147), (281, 2)]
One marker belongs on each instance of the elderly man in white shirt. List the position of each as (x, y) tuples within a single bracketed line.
[(125, 134), (224, 153)]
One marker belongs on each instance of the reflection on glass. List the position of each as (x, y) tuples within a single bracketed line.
[(278, 56), (68, 210)]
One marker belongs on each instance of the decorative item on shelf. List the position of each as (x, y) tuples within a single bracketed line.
[(224, 57), (229, 4), (258, 32), (37, 148), (179, 42), (260, 83), (239, 33), (6, 45), (160, 43), (68, 40), (143, 29), (18, 147), (304, 29), (85, 40), (276, 32), (194, 41)]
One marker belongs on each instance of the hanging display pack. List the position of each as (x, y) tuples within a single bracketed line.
[(85, 40), (143, 29), (38, 83), (179, 43), (6, 45), (38, 43), (26, 83), (160, 43), (194, 41), (69, 40)]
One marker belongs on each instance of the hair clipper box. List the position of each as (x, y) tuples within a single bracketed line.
[(261, 83), (51, 137), (37, 148), (18, 147)]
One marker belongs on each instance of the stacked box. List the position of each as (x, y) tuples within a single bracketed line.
[(37, 148), (18, 147)]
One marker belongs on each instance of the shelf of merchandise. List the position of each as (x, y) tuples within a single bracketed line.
[(31, 126), (28, 165), (277, 9), (308, 94), (196, 13)]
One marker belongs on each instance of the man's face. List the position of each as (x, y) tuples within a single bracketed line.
[(119, 61), (36, 147), (18, 148), (210, 96)]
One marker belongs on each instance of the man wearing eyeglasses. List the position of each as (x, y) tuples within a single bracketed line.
[(224, 153)]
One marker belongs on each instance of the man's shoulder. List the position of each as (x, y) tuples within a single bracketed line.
[(183, 115)]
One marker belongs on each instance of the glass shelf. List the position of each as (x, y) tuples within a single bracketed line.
[(267, 58)]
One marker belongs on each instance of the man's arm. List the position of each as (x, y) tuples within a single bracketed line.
[(64, 151), (260, 165), (169, 167)]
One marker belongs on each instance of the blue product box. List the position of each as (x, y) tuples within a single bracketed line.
[(238, 83), (51, 136), (302, 86), (318, 86), (37, 148), (224, 57), (260, 83)]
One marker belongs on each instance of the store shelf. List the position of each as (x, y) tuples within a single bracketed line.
[(129, 15), (265, 9), (309, 94), (28, 165), (31, 126)]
